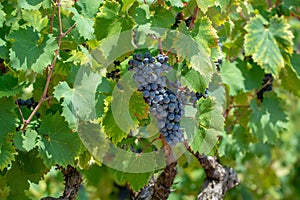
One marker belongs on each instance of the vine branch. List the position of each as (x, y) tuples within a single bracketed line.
[(194, 17), (50, 68), (219, 179), (73, 180)]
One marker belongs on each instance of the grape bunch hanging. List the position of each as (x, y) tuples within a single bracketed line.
[(167, 108)]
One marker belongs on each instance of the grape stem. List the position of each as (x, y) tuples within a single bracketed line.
[(148, 145), (195, 15), (20, 111), (228, 108), (160, 45), (50, 68), (264, 85)]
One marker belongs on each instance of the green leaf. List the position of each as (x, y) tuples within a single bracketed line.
[(79, 57), (205, 4), (111, 128), (58, 144), (84, 25), (175, 3), (295, 60), (27, 167), (163, 18), (267, 121), (120, 103), (7, 153), (30, 4), (29, 51), (210, 125), (265, 41), (252, 73), (35, 19), (187, 48), (195, 81), (3, 49), (290, 80), (34, 2), (232, 76), (205, 34), (242, 138), (62, 90), (135, 180), (27, 141), (79, 102), (2, 16), (111, 20), (7, 116), (89, 7), (9, 86), (141, 14)]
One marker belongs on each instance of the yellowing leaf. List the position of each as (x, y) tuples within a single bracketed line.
[(35, 19), (205, 4), (266, 41), (205, 34)]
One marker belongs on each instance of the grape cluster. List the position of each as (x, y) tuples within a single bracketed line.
[(30, 104), (267, 86), (196, 96), (180, 17), (163, 102), (184, 94), (114, 74), (220, 60)]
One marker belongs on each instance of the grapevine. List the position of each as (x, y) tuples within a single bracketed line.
[(149, 99)]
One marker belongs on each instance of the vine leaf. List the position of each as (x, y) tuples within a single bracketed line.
[(35, 19), (267, 121), (137, 106), (79, 101), (111, 128), (187, 48), (29, 51), (268, 41), (163, 18), (58, 144), (205, 4), (141, 14), (27, 167), (205, 34), (135, 180), (89, 7), (111, 20), (27, 141), (9, 86), (7, 154), (2, 16), (84, 25), (253, 74), (290, 80), (195, 80), (233, 77), (203, 132), (7, 117)]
